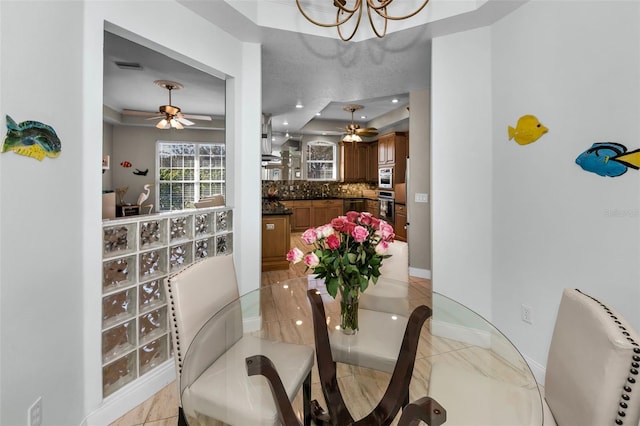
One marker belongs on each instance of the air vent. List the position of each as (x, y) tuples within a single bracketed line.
[(133, 66)]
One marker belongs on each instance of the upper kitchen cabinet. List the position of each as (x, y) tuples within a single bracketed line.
[(393, 149), (355, 161)]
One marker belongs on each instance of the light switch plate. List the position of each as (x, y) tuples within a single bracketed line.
[(422, 197)]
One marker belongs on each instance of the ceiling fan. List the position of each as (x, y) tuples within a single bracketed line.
[(354, 132), (169, 115)]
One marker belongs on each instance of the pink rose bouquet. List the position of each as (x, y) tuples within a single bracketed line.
[(347, 253)]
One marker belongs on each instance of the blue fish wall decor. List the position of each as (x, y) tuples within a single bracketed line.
[(608, 159), (32, 139)]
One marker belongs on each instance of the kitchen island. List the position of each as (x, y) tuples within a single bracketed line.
[(276, 235)]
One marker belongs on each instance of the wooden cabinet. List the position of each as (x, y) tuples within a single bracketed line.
[(311, 213), (372, 207), (301, 217), (400, 222), (372, 162), (356, 160), (276, 242), (325, 210), (392, 152)]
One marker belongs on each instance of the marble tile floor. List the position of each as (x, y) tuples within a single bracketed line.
[(162, 408)]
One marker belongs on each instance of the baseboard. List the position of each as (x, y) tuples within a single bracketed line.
[(129, 397), (461, 333), (420, 273), (537, 369)]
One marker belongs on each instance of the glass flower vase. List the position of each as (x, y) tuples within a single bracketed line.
[(349, 312)]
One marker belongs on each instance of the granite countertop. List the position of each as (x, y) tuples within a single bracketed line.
[(273, 207), (276, 212), (334, 197)]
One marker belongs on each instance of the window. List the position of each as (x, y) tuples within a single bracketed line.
[(189, 171), (321, 161)]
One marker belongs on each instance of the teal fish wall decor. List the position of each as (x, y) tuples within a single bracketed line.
[(32, 139)]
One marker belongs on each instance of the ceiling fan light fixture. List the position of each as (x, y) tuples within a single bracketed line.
[(162, 124), (352, 138), (176, 124)]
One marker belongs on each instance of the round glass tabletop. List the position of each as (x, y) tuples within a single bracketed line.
[(457, 352)]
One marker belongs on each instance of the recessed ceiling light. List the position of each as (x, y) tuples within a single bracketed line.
[(395, 101), (287, 135), (286, 123), (318, 113), (299, 105), (273, 138), (363, 116)]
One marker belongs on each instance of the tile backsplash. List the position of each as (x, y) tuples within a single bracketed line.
[(303, 189)]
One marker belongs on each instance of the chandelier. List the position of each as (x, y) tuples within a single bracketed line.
[(344, 13)]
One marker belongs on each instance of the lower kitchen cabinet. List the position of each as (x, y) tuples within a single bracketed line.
[(325, 210), (373, 207), (400, 227), (301, 217), (276, 242)]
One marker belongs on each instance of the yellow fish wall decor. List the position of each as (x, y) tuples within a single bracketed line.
[(528, 130)]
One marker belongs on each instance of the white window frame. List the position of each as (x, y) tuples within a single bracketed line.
[(196, 181), (334, 162)]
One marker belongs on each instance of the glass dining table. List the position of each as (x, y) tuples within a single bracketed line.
[(455, 347)]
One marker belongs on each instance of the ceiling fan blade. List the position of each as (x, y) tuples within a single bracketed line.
[(155, 117), (198, 117), (185, 121)]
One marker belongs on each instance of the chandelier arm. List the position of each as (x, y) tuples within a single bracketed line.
[(356, 6), (352, 33), (373, 26), (381, 10), (322, 24)]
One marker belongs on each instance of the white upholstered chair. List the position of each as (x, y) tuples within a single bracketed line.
[(219, 386), (389, 293), (378, 344), (590, 380)]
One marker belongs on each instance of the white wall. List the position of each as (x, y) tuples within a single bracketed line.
[(50, 212), (461, 166), (41, 309), (549, 224), (579, 74)]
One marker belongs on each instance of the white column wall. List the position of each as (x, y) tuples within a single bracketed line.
[(461, 163)]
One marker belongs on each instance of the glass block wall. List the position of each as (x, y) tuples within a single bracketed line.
[(138, 252)]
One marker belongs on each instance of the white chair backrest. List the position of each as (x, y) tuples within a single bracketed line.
[(592, 367), (196, 294), (397, 266)]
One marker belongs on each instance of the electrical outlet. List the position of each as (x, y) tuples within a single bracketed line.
[(35, 413), (526, 314), (270, 226)]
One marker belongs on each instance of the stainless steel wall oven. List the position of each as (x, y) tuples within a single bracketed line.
[(386, 209), (385, 178)]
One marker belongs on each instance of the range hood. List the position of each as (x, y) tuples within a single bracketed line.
[(265, 145)]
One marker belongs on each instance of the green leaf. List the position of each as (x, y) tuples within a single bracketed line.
[(332, 286)]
